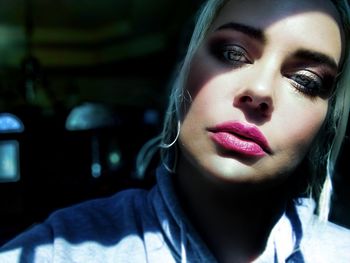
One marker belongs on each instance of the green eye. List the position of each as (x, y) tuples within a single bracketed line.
[(235, 54), (231, 54)]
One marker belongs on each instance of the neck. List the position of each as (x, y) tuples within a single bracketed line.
[(234, 219)]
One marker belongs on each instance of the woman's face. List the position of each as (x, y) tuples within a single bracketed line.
[(260, 84)]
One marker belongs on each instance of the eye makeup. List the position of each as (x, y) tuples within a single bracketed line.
[(311, 77), (230, 54)]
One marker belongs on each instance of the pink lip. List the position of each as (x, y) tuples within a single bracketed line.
[(241, 138)]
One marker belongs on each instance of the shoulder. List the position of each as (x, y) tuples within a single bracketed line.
[(90, 225), (103, 213), (321, 242), (326, 242), (122, 204)]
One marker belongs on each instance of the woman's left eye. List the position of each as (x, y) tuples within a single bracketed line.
[(307, 82), (231, 54)]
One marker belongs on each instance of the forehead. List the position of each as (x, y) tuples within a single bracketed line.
[(304, 22), (267, 12)]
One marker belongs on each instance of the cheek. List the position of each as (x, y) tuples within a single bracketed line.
[(203, 69), (303, 126), (194, 86), (199, 113), (197, 77)]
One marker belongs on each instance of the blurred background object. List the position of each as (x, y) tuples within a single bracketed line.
[(87, 82)]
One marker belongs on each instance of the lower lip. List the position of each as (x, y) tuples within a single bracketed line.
[(233, 143)]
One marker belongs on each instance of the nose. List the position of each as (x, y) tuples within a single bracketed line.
[(254, 104), (255, 99)]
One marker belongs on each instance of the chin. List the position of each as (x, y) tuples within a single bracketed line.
[(235, 172)]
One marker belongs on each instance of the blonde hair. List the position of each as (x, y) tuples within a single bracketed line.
[(336, 122), (322, 157)]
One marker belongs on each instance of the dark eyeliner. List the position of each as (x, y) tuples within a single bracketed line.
[(312, 87), (220, 51)]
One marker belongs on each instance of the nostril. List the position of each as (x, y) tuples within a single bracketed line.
[(244, 99), (256, 108), (254, 105), (263, 107)]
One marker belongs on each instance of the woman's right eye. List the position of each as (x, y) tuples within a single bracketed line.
[(231, 54)]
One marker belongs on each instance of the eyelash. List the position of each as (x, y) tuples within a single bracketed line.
[(307, 82), (231, 54)]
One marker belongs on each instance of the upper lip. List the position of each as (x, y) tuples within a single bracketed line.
[(243, 130)]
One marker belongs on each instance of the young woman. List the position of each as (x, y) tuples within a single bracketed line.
[(257, 115)]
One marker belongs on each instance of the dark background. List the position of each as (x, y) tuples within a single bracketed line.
[(117, 54)]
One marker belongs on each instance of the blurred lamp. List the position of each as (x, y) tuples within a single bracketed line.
[(91, 116), (9, 148)]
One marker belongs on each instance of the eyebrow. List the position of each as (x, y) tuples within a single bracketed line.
[(253, 32), (316, 57)]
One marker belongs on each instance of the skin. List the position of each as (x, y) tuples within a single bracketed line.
[(235, 76)]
